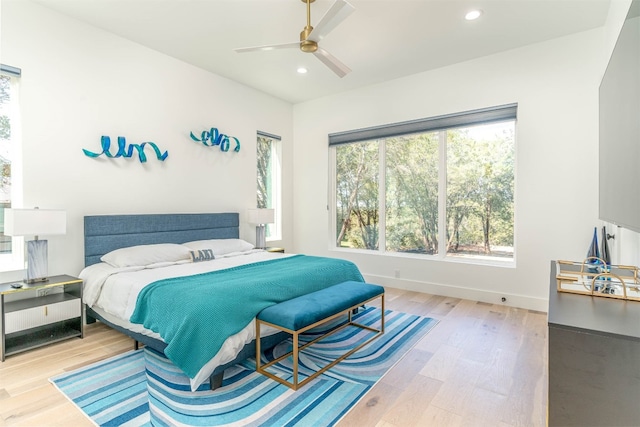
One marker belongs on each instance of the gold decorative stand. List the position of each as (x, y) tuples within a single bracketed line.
[(593, 277)]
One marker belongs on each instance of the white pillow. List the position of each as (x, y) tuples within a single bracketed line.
[(220, 246), (144, 255)]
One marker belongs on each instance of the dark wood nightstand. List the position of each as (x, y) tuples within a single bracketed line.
[(53, 312)]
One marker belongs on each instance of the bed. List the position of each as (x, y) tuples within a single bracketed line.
[(127, 297)]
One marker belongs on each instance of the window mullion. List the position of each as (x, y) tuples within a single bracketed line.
[(332, 198), (382, 197), (442, 194)]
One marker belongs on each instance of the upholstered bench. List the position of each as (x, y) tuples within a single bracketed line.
[(306, 312)]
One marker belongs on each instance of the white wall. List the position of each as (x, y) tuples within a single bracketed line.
[(79, 82), (555, 85)]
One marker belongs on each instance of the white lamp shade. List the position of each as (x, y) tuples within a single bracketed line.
[(261, 216), (34, 222)]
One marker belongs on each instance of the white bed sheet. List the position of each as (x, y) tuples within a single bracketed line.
[(113, 293)]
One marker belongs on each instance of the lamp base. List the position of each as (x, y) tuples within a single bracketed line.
[(261, 240), (37, 260)]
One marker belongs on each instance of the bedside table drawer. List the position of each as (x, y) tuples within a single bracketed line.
[(42, 315)]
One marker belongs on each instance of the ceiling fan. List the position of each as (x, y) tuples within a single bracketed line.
[(310, 36)]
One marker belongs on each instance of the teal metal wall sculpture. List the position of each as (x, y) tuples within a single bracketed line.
[(124, 151), (213, 137)]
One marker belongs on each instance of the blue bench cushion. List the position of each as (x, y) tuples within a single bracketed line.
[(305, 310)]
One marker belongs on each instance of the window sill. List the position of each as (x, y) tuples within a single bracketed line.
[(493, 262)]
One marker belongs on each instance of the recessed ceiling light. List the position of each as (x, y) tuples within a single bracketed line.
[(302, 70), (474, 14)]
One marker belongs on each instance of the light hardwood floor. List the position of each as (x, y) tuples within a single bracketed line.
[(482, 365)]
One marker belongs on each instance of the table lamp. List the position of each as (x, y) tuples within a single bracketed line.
[(35, 222), (261, 217)]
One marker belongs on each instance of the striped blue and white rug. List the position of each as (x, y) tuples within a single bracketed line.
[(120, 391)]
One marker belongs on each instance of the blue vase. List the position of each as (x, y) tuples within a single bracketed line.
[(593, 249), (593, 261)]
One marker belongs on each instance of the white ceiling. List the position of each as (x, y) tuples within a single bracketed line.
[(381, 40)]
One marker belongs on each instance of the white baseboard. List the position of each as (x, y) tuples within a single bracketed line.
[(512, 300)]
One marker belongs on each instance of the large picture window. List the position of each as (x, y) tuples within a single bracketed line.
[(268, 185), (439, 187)]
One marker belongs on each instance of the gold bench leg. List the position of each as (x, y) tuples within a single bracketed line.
[(258, 350), (296, 351)]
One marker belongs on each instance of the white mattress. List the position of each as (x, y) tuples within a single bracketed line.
[(113, 292)]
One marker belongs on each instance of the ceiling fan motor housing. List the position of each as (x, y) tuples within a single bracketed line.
[(306, 45)]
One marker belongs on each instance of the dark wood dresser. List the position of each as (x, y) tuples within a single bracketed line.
[(594, 360)]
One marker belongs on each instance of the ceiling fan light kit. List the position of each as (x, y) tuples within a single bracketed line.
[(310, 36)]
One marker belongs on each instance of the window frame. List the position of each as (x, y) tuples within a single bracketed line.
[(16, 259), (441, 124), (274, 231)]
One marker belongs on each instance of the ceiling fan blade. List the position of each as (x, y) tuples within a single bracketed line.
[(268, 47), (337, 13), (332, 62)]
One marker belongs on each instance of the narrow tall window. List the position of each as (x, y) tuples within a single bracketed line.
[(268, 184), (11, 249), (442, 186)]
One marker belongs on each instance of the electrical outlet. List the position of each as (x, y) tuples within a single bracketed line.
[(396, 274), (41, 292)]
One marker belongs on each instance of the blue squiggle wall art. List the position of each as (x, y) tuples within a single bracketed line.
[(213, 137), (124, 151)]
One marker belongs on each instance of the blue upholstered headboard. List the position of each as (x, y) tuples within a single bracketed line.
[(105, 233)]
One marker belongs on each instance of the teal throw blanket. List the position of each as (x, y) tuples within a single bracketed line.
[(195, 314)]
